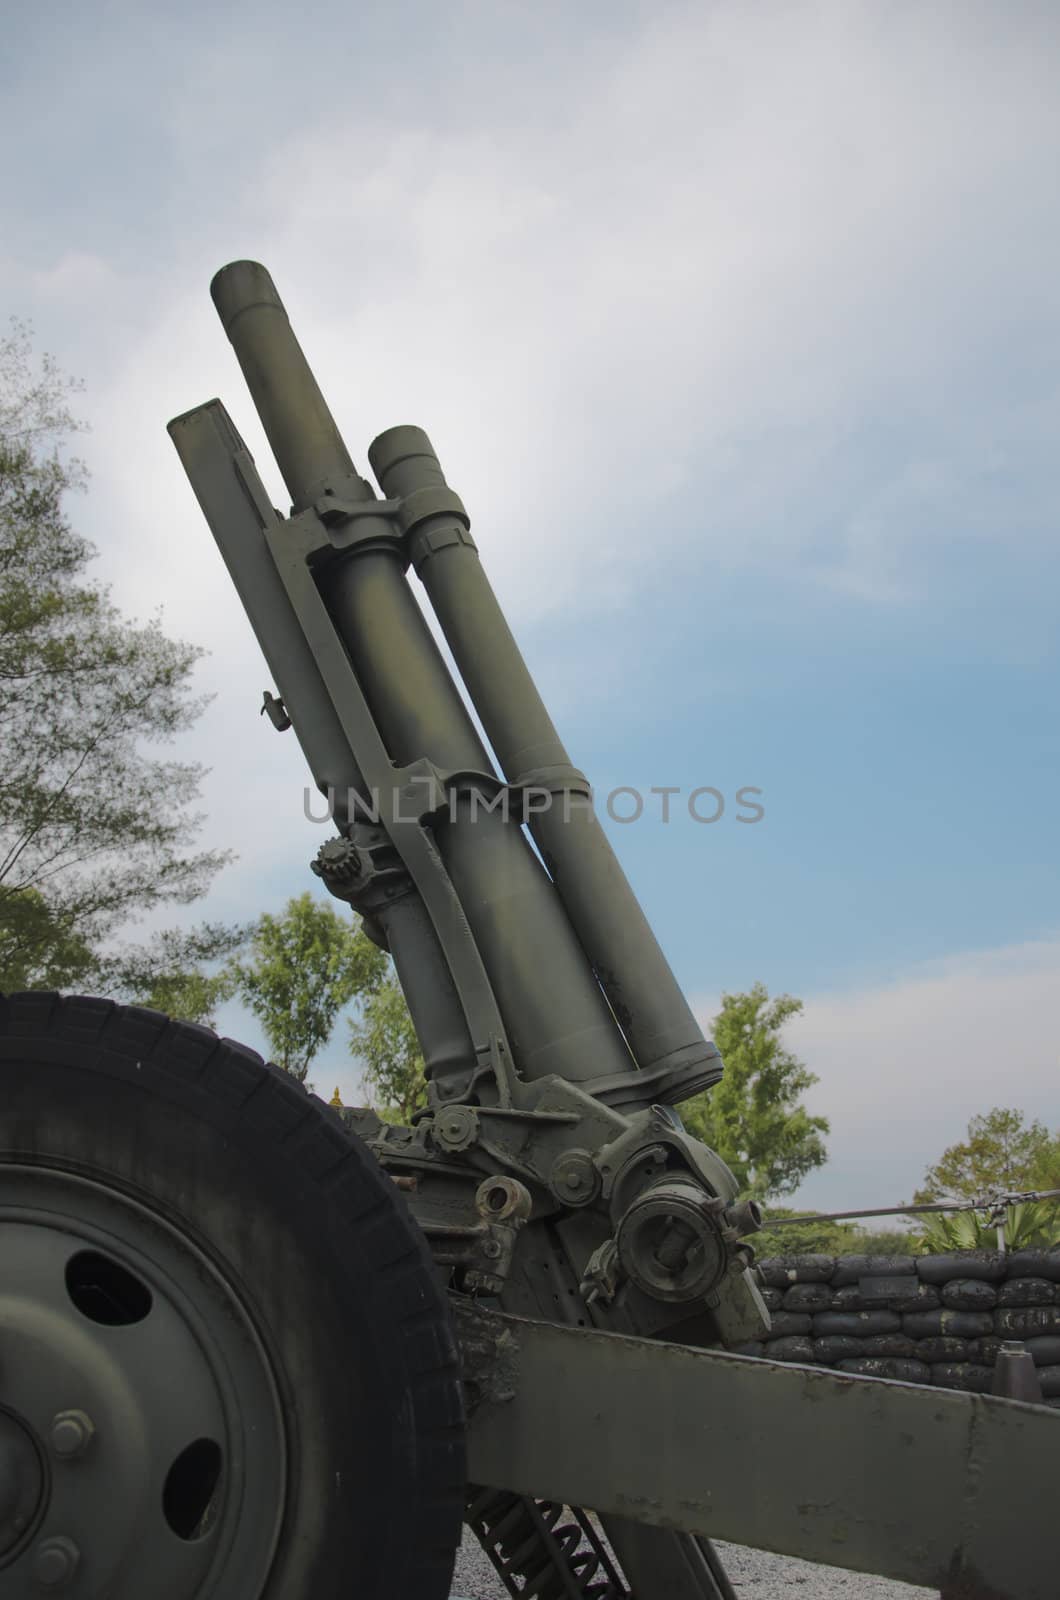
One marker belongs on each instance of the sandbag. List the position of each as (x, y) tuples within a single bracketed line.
[(790, 1349), (809, 1268), (987, 1265), (773, 1273), (836, 1347), (962, 1324), (1035, 1264), (856, 1322), (808, 1297), (847, 1298), (882, 1367), (1026, 1292), (1045, 1350), (924, 1297), (961, 1375), (849, 1269), (790, 1322), (968, 1294), (943, 1348), (916, 1296), (897, 1345), (1014, 1323)]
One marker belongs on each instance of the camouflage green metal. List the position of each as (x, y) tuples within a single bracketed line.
[(551, 1174), (174, 1206)]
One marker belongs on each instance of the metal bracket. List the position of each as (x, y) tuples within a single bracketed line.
[(273, 708), (292, 545)]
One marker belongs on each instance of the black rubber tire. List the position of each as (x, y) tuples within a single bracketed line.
[(329, 1263)]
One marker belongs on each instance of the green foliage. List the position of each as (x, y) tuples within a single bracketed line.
[(1002, 1153), (885, 1242), (753, 1118), (959, 1230), (170, 975), (39, 946), (304, 966), (802, 1237), (385, 1041), (93, 831), (1028, 1225), (809, 1237), (1043, 1169)]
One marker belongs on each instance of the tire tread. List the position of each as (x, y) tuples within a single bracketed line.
[(276, 1109)]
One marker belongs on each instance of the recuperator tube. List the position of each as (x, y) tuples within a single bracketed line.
[(663, 1034)]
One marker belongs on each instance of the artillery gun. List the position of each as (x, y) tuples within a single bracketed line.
[(253, 1349)]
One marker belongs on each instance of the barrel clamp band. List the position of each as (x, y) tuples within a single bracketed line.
[(433, 500), (427, 542), (423, 790), (560, 779), (331, 510), (351, 520), (353, 524)]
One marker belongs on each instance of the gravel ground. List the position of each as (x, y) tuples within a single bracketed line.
[(754, 1574)]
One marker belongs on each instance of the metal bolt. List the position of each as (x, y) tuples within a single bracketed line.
[(71, 1434), (55, 1562)]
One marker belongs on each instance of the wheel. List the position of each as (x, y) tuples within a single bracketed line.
[(226, 1366)]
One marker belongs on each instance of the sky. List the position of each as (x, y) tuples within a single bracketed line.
[(737, 328)]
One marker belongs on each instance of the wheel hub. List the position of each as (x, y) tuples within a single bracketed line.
[(147, 1450), (22, 1481)]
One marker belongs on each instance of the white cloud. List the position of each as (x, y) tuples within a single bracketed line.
[(905, 1064), (645, 310), (75, 277)]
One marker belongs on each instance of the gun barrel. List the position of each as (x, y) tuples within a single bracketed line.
[(556, 1015), (305, 440)]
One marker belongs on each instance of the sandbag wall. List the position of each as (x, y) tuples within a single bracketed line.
[(923, 1319)]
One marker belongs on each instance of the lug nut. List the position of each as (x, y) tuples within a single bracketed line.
[(55, 1562), (71, 1434)]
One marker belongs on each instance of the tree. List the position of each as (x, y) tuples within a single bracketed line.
[(752, 1118), (384, 1039), (1001, 1151), (172, 976), (38, 946), (1044, 1169), (804, 1236), (304, 966), (885, 1242), (93, 831)]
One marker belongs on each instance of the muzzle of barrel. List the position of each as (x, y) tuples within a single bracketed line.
[(305, 440), (556, 1015)]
